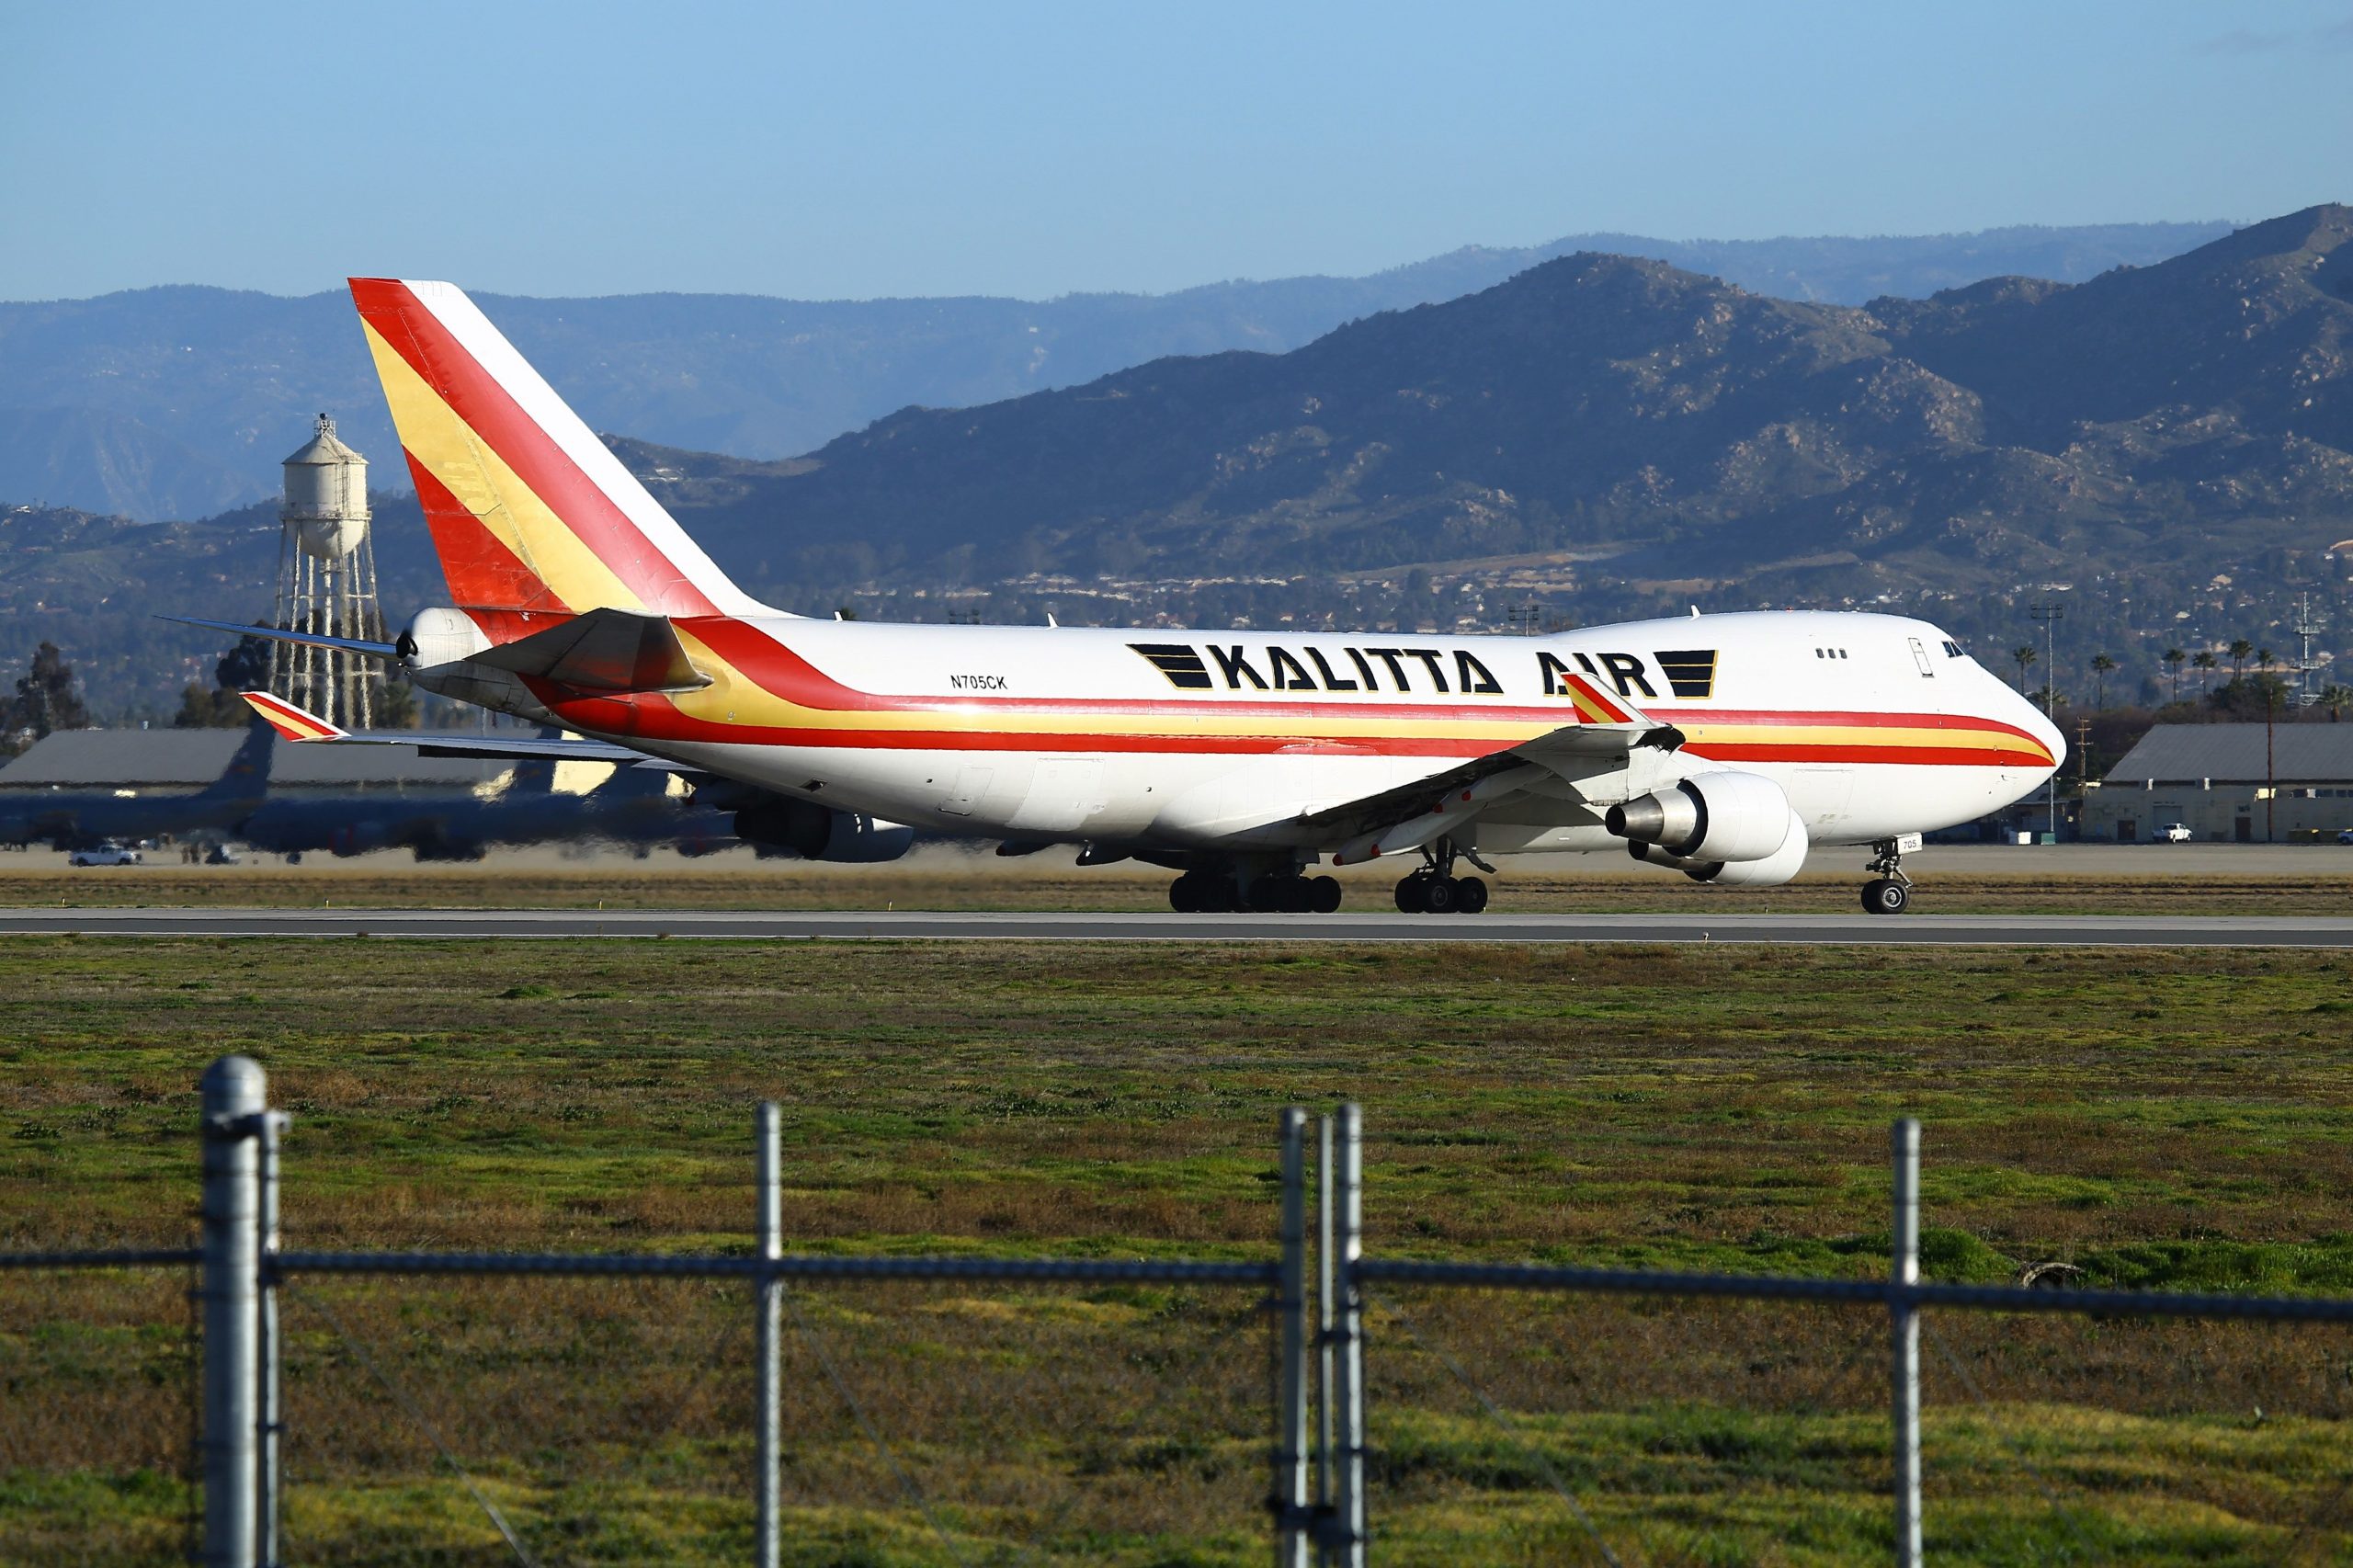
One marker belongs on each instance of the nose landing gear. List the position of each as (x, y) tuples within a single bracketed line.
[(1890, 891)]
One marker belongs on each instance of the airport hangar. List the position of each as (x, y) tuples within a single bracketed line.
[(171, 762), (2228, 786)]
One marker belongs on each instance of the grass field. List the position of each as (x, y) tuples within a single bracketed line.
[(956, 881), (2156, 1118)]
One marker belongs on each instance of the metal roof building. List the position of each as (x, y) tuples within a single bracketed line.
[(190, 759), (2220, 782), (2196, 753)]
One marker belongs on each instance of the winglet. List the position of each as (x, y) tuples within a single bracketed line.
[(1592, 708), (289, 721)]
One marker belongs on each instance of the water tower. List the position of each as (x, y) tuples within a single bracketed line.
[(327, 581)]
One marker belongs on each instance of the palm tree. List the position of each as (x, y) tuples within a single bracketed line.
[(2335, 698), (2201, 664), (2174, 658), (2024, 655), (2240, 649), (2101, 665)]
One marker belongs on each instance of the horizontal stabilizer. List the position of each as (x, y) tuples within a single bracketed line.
[(604, 650), (296, 724), (279, 634)]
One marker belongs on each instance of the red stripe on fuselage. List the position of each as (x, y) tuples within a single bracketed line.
[(433, 352), (777, 669), (657, 720)]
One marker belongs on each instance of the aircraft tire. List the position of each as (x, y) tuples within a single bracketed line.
[(1441, 896), (1325, 895), (1409, 894), (1470, 895), (1885, 895), (1184, 895)]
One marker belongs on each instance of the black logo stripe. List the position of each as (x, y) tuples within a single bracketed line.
[(1691, 671), (1180, 663)]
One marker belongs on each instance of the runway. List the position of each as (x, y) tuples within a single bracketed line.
[(1804, 930)]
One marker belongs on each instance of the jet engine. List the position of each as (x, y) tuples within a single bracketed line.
[(1723, 816), (773, 821), (1768, 872)]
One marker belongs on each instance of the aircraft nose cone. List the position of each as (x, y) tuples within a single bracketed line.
[(2038, 724)]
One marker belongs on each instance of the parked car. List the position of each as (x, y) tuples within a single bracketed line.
[(2173, 833), (103, 855), (2344, 836)]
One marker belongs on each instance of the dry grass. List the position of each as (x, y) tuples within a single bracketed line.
[(2169, 1118), (955, 881)]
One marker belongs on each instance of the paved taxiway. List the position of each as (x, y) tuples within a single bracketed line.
[(1495, 925)]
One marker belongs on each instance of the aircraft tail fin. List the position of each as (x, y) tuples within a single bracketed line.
[(528, 508), (247, 774)]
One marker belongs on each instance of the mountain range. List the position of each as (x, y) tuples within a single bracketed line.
[(2168, 423), (175, 403), (2166, 451)]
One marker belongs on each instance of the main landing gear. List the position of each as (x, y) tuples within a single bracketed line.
[(1890, 891), (1277, 893), (1435, 889)]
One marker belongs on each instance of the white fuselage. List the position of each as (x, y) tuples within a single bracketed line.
[(1874, 726)]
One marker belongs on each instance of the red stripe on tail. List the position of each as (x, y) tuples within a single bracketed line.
[(419, 336), (483, 573)]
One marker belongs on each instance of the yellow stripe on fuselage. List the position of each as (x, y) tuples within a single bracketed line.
[(734, 698), (436, 437)]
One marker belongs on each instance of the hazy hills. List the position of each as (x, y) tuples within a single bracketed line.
[(2168, 449), (175, 402), (1602, 400)]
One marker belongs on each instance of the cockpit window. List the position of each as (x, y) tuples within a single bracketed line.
[(1953, 650)]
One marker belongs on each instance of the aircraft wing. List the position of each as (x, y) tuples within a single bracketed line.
[(1569, 752), (1604, 740), (298, 725)]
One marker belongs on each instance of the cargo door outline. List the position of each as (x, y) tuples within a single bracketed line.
[(970, 788)]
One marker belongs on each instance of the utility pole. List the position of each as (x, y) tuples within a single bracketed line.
[(2307, 628), (2050, 615), (2271, 768)]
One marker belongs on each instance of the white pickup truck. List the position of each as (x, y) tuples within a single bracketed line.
[(2173, 833)]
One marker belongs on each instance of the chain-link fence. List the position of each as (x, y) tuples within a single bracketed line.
[(248, 1404)]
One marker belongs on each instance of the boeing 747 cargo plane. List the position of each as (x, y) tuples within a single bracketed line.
[(1719, 746)]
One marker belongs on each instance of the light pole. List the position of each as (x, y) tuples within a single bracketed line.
[(2050, 615)]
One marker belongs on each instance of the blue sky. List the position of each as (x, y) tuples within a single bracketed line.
[(849, 151)]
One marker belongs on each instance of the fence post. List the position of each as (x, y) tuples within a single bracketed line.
[(1346, 1541), (1904, 1321), (769, 1299), (233, 1090), (1326, 1277), (270, 1127), (1290, 1497)]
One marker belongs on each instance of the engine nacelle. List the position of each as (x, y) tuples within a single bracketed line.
[(819, 833), (1726, 816), (1771, 871)]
